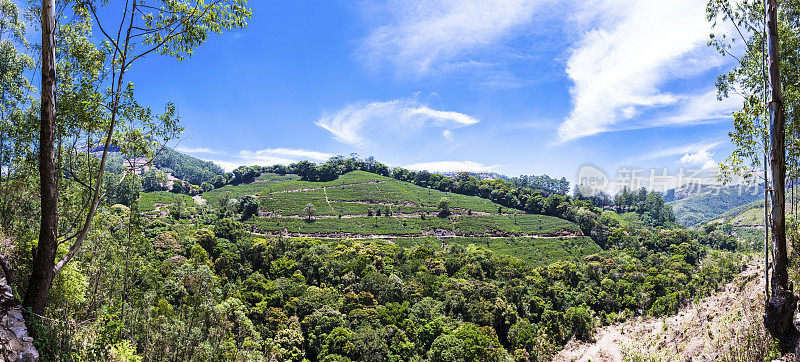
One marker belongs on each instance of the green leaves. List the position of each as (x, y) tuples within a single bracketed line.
[(177, 27), (745, 45)]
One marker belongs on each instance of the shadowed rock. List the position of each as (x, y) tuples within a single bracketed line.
[(15, 342)]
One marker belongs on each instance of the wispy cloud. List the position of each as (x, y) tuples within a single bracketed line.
[(452, 166), (700, 108), (417, 36), (290, 153), (398, 117), (448, 134), (629, 51), (197, 150), (229, 166), (694, 148)]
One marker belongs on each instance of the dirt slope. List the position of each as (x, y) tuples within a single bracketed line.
[(703, 331)]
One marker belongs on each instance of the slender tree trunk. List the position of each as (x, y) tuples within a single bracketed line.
[(766, 224), (782, 304), (42, 272)]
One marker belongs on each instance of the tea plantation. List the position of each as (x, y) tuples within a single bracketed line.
[(365, 205)]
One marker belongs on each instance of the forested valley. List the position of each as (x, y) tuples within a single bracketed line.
[(117, 246), (224, 278)]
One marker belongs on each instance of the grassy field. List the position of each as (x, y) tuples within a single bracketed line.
[(273, 177), (751, 214), (398, 192), (754, 216), (737, 215), (751, 238)]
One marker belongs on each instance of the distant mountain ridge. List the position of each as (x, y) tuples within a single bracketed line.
[(697, 189), (696, 204)]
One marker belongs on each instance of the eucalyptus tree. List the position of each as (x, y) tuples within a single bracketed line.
[(770, 88), (747, 80), (86, 100)]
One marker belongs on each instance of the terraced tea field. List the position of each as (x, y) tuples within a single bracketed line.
[(361, 204), (368, 206), (461, 225), (355, 193)]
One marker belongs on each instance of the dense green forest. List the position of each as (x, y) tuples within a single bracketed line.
[(186, 168), (213, 281)]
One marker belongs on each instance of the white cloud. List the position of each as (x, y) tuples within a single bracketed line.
[(419, 35), (194, 150), (229, 166), (703, 158), (451, 166), (277, 153), (442, 118), (397, 117), (701, 108), (629, 51), (448, 134), (265, 157)]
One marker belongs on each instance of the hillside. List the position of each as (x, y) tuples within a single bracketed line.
[(750, 214), (371, 261), (187, 168), (365, 205), (695, 208), (273, 239), (723, 326)]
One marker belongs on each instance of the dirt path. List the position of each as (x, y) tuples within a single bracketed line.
[(344, 235), (699, 332), (328, 201)]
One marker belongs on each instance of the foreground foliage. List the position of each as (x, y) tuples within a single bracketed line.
[(199, 287)]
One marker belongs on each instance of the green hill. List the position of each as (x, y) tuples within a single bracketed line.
[(752, 214), (748, 214), (187, 168), (748, 220), (706, 205), (362, 204), (534, 251), (368, 206)]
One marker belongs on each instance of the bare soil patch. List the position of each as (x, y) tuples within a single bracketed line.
[(701, 331)]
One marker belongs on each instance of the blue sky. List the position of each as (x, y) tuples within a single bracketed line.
[(513, 86)]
